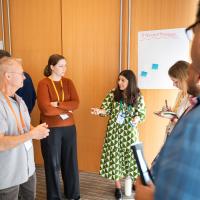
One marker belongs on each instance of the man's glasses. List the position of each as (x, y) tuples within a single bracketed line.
[(20, 73), (190, 31)]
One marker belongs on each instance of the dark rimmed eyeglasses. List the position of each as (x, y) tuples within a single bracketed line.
[(191, 30)]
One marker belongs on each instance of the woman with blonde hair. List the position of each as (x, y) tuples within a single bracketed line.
[(179, 74)]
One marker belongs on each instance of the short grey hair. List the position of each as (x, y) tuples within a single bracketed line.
[(6, 64)]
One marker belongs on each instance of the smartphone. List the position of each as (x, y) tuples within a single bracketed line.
[(145, 173)]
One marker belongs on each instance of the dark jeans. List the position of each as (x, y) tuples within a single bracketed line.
[(25, 191), (59, 151)]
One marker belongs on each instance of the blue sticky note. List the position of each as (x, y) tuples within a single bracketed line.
[(154, 66), (144, 74)]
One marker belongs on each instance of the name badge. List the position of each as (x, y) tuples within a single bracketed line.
[(133, 124), (120, 118), (28, 144), (64, 116)]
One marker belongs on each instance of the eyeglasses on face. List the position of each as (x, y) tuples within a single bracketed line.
[(190, 31), (20, 73)]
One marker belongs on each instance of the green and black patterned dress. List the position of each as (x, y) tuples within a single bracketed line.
[(117, 159)]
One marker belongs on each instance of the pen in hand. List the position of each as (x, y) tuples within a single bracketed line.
[(166, 105)]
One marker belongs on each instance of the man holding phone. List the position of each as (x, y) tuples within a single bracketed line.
[(176, 172)]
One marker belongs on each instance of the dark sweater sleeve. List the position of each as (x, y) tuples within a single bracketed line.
[(27, 92)]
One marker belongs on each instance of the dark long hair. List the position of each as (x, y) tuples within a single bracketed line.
[(131, 92), (53, 60)]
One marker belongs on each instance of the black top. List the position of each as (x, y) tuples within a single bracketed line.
[(27, 92)]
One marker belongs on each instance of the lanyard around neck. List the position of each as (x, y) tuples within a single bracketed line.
[(56, 91), (16, 119), (121, 106)]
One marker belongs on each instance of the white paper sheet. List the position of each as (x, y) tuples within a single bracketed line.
[(158, 50)]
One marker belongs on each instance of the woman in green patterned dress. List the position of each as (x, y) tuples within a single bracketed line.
[(125, 107)]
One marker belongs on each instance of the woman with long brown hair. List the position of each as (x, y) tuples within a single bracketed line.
[(125, 107)]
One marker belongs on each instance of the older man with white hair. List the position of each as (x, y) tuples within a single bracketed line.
[(17, 167)]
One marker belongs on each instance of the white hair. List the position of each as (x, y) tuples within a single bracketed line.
[(7, 64)]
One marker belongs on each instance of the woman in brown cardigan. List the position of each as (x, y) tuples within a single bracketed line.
[(57, 99)]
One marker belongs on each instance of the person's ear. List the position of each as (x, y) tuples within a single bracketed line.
[(7, 75), (51, 66)]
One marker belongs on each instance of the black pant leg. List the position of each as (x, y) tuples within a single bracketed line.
[(51, 151), (69, 163)]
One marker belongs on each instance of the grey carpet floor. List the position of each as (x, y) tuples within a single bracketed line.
[(92, 186)]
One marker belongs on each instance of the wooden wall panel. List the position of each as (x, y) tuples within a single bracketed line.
[(5, 21), (0, 25), (36, 34), (151, 15), (91, 46)]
